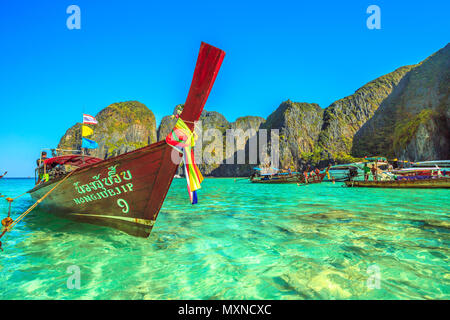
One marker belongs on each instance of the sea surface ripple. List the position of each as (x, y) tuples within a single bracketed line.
[(241, 241)]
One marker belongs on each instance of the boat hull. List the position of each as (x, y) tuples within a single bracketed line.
[(419, 184), (124, 192)]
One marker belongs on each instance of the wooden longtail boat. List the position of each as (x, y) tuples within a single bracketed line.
[(126, 192), (431, 183), (287, 178), (3, 174)]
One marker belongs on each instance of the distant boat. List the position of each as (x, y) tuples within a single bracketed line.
[(3, 174), (126, 192), (355, 171), (428, 183), (419, 177), (286, 177)]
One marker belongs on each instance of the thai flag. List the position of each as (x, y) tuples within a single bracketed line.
[(89, 119)]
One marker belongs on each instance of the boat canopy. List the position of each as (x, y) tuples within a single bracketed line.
[(418, 169), (346, 166), (75, 160), (439, 163), (375, 159)]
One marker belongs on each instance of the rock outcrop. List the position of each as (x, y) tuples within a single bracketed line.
[(236, 141), (344, 117), (211, 152), (403, 114), (122, 127), (299, 127), (414, 122)]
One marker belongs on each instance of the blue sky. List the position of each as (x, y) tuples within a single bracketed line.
[(306, 51)]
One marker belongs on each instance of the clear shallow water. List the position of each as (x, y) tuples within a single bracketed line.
[(242, 241)]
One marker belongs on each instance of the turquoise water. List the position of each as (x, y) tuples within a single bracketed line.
[(242, 241)]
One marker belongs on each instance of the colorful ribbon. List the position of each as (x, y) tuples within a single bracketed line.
[(183, 140)]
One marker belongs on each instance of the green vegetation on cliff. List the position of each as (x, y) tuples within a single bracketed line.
[(413, 122), (406, 129), (344, 117), (299, 125), (122, 127)]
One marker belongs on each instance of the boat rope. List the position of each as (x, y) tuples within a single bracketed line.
[(183, 139), (8, 223), (18, 196)]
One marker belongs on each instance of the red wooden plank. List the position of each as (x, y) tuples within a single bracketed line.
[(208, 64)]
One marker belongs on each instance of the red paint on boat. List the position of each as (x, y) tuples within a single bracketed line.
[(75, 160)]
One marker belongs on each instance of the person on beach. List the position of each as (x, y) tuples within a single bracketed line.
[(316, 173), (353, 173), (40, 165), (374, 172), (306, 174), (287, 170), (40, 161), (366, 170)]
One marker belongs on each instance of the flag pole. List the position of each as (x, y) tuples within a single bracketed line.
[(82, 153)]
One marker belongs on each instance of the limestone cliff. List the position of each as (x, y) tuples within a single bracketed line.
[(414, 122), (211, 153), (122, 127), (299, 126), (239, 134), (403, 114), (344, 117)]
